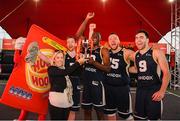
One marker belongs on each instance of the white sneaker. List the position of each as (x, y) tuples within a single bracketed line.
[(130, 118)]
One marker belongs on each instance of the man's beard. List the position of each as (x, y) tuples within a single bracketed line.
[(115, 47), (143, 46), (71, 48)]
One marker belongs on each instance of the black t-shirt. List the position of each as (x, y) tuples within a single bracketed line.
[(57, 76)]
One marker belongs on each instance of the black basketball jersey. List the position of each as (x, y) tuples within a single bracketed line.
[(118, 76), (90, 71), (148, 69), (69, 61)]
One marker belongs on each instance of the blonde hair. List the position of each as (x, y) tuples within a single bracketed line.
[(55, 54)]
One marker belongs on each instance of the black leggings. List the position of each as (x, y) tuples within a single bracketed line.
[(58, 113)]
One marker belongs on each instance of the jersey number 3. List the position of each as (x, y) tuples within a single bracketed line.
[(142, 66)]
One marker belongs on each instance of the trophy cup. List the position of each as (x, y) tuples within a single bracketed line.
[(85, 45)]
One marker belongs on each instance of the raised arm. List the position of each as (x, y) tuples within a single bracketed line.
[(17, 57), (44, 58), (130, 56), (56, 71), (18, 48), (82, 27)]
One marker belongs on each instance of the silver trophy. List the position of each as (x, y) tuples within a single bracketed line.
[(85, 45)]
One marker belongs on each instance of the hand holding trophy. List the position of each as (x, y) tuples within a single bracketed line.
[(85, 45)]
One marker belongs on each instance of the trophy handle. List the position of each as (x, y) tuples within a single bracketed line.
[(78, 49), (85, 44)]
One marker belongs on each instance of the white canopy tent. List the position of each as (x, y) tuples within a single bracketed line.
[(175, 39), (4, 34), (172, 39)]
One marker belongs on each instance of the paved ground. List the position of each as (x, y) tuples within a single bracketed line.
[(171, 109)]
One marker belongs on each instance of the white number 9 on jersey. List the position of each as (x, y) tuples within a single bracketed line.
[(142, 66)]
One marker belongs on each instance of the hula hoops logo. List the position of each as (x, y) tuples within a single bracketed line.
[(36, 75)]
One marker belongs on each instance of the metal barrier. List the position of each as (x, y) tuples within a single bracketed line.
[(175, 79)]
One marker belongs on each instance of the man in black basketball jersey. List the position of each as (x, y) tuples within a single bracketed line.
[(70, 59), (151, 87), (117, 92), (93, 75)]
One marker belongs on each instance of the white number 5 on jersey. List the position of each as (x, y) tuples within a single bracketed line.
[(115, 63), (142, 66)]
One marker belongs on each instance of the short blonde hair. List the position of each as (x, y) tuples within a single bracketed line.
[(115, 35), (55, 54)]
